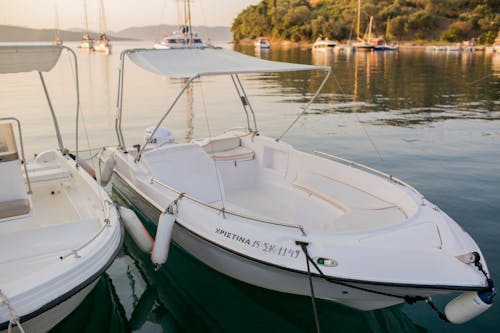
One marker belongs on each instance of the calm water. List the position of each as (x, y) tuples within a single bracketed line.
[(431, 119)]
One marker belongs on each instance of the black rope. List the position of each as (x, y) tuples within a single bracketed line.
[(313, 298), (477, 263), (441, 315)]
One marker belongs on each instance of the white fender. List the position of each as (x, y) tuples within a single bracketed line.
[(136, 229), (162, 240), (467, 306), (106, 164)]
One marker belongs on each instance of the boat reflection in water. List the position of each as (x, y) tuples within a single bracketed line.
[(102, 306), (185, 295)]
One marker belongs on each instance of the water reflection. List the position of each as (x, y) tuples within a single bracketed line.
[(103, 306), (414, 87)]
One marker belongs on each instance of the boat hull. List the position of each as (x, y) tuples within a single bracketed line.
[(362, 295), (50, 318)]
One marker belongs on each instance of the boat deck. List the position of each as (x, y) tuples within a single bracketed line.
[(33, 241)]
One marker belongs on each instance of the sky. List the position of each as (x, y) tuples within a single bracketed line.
[(120, 14)]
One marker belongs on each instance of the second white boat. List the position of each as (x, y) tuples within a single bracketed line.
[(260, 211)]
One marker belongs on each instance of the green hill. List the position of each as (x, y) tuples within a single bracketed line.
[(303, 20)]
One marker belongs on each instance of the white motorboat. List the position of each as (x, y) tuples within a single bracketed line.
[(59, 230), (263, 43), (260, 211), (184, 37), (323, 44)]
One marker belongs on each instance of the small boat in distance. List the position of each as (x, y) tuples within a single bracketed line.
[(184, 37), (262, 43), (103, 44), (323, 44), (87, 42), (59, 230), (181, 39), (260, 211)]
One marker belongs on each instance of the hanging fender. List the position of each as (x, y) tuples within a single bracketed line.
[(136, 229), (468, 305), (106, 165), (162, 240)]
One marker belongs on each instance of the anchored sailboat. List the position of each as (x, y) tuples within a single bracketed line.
[(87, 43), (57, 38), (103, 44)]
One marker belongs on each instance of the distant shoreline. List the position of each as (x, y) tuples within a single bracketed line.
[(305, 44)]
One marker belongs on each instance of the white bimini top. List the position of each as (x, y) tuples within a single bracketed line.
[(188, 63)]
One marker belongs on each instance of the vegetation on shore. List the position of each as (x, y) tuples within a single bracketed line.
[(398, 20)]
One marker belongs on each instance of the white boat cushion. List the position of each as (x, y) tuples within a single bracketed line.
[(222, 143), (12, 186), (227, 148), (48, 174), (186, 168)]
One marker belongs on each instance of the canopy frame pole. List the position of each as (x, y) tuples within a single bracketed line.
[(307, 105), (119, 102), (242, 98), (54, 118), (166, 114), (246, 102), (77, 88)]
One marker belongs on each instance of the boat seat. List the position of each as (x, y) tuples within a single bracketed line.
[(358, 220), (362, 209), (49, 174), (13, 196), (227, 148), (339, 194), (13, 208), (186, 168)]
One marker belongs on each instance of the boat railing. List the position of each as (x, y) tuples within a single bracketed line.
[(372, 170), (106, 224), (225, 211)]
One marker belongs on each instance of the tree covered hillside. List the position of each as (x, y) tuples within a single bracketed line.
[(303, 20)]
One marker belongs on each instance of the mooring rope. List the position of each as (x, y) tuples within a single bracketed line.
[(313, 298), (14, 318)]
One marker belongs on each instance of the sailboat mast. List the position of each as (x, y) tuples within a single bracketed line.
[(86, 16), (358, 20), (58, 35), (102, 18), (370, 29), (189, 21)]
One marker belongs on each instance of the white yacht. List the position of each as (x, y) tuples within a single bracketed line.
[(323, 44)]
